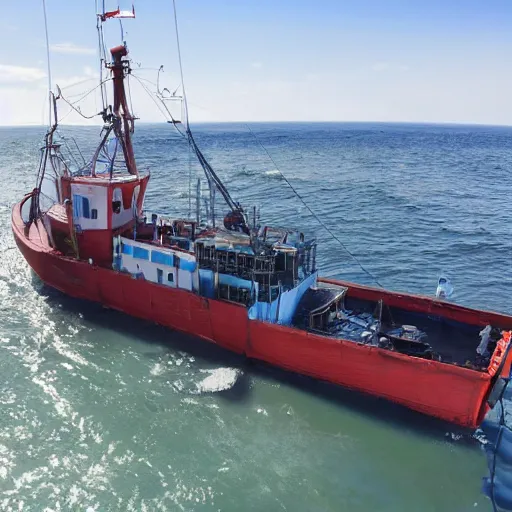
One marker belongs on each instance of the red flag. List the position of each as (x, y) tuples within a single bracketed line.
[(117, 14)]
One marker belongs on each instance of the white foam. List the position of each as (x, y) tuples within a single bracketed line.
[(219, 379), (158, 369)]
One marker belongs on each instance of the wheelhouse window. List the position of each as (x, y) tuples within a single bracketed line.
[(161, 258), (140, 253), (81, 207), (117, 200), (126, 249)]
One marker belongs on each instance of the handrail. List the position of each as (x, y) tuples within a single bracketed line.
[(498, 361)]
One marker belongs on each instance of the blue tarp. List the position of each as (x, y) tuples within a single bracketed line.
[(286, 304), (206, 283), (235, 281)]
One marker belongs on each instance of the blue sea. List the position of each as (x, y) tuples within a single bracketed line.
[(104, 412)]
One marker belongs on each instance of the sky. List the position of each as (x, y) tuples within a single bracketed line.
[(435, 61)]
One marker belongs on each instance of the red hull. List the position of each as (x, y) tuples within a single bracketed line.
[(449, 392)]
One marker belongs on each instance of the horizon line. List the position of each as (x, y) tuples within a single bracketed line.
[(427, 123)]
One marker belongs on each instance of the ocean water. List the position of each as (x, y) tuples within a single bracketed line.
[(104, 412)]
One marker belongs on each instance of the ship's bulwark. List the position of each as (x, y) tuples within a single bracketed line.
[(449, 392)]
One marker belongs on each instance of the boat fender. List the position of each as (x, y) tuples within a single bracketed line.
[(499, 352), (444, 288)]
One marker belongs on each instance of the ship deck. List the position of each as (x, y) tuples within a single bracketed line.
[(450, 336), (455, 342)]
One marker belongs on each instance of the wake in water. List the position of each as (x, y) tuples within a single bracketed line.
[(216, 380), (219, 379)]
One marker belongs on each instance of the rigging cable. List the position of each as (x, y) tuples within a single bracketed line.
[(72, 104), (189, 181), (75, 84), (160, 97), (211, 175), (48, 63), (35, 207), (65, 139), (318, 219), (90, 91), (208, 169), (180, 63), (186, 135), (102, 54), (71, 154), (157, 104), (130, 96)]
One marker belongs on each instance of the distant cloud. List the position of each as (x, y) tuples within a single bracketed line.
[(71, 49), (256, 65), (14, 74)]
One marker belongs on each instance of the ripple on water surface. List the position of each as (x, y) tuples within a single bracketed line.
[(104, 412)]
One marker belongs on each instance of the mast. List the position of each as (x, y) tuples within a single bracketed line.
[(123, 119), (120, 119)]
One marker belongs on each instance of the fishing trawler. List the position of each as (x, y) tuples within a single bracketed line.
[(245, 286)]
